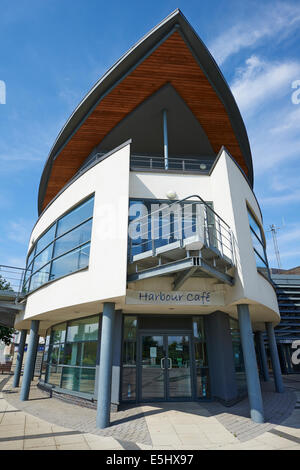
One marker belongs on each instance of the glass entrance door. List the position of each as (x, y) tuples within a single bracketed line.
[(165, 367), (179, 366), (153, 368)]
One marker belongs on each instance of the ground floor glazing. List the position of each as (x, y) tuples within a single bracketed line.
[(156, 357)]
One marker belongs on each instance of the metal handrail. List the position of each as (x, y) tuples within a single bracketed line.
[(154, 162), (221, 237), (14, 276)]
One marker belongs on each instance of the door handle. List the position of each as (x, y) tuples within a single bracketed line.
[(171, 364), (161, 363)]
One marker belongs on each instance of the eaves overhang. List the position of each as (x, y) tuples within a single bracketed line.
[(124, 66)]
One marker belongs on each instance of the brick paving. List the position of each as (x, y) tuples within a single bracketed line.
[(129, 424), (277, 408), (49, 423)]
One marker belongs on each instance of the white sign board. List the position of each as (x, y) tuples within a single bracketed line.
[(153, 351), (174, 298)]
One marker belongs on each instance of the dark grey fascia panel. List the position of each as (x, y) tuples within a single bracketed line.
[(127, 63)]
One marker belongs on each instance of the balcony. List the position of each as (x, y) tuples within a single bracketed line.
[(172, 164), (184, 238), (11, 282)]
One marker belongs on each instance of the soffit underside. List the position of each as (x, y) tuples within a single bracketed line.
[(172, 62)]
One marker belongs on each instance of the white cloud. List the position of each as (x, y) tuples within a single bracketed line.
[(260, 81), (268, 22), (281, 199), (289, 122)]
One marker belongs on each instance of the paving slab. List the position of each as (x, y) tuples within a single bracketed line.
[(49, 423)]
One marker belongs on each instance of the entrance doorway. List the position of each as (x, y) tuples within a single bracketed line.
[(165, 366)]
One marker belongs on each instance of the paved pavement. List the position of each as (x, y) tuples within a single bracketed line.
[(52, 424)]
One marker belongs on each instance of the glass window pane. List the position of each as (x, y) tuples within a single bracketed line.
[(58, 333), (78, 379), (43, 257), (56, 355), (198, 328), (47, 238), (130, 325), (254, 225), (73, 239), (238, 357), (40, 277), (71, 262), (257, 245), (54, 375), (85, 329), (81, 354), (77, 215), (259, 262), (30, 257)]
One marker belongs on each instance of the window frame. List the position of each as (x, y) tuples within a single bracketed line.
[(27, 284), (262, 241)]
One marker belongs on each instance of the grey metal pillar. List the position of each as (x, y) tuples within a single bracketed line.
[(263, 356), (37, 339), (253, 384), (166, 147), (105, 369), (30, 359), (220, 356), (19, 360), (274, 358)]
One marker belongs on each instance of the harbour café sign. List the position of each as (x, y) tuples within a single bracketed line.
[(200, 298)]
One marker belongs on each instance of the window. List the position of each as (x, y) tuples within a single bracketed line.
[(200, 351), (238, 358), (258, 242), (129, 358), (71, 353), (63, 249)]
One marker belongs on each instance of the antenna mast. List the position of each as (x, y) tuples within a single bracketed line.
[(274, 229)]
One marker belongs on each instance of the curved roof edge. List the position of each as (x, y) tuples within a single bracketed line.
[(128, 62)]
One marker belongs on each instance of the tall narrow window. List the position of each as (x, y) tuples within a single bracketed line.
[(129, 359), (202, 371), (258, 243)]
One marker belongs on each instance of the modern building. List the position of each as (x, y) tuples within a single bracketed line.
[(146, 265), (287, 333)]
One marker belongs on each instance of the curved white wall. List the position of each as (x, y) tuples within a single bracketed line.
[(105, 277)]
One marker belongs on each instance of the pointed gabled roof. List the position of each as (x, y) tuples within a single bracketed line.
[(172, 53)]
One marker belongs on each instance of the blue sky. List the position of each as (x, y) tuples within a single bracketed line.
[(53, 51)]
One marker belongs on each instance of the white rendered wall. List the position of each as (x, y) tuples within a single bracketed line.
[(105, 278)]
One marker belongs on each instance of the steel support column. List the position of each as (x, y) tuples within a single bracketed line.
[(263, 356), (274, 358), (253, 384), (30, 360), (105, 369), (19, 361)]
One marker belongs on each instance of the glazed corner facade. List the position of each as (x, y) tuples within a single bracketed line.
[(168, 289)]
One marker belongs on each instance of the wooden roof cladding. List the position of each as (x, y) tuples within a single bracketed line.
[(171, 62)]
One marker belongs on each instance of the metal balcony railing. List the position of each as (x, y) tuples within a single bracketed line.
[(192, 225), (11, 281), (176, 164)]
